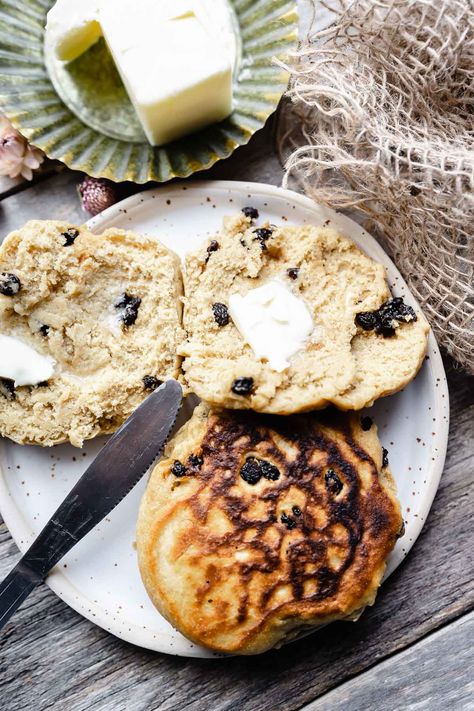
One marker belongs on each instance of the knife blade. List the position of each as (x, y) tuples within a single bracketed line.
[(119, 466)]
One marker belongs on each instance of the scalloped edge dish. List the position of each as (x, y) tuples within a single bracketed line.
[(268, 31)]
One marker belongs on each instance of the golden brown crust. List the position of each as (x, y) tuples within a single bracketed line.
[(238, 567)]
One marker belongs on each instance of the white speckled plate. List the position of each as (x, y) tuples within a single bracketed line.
[(100, 578)]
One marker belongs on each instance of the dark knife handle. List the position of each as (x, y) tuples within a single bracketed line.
[(15, 589)]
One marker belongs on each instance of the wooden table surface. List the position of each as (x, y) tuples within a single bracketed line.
[(413, 650)]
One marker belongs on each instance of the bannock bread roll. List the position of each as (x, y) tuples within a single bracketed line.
[(361, 344), (256, 528), (106, 308)]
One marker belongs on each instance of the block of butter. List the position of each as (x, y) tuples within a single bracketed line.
[(177, 71)]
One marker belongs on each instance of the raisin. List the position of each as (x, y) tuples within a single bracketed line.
[(195, 461), (213, 247), (44, 330), (10, 285), (384, 457), (392, 313), (333, 483), (251, 212), (293, 273), (221, 314), (243, 386), (387, 318), (130, 306), (254, 469), (178, 469), (296, 511), (122, 301), (251, 472), (70, 236), (7, 389), (366, 423), (151, 383), (263, 234), (269, 471), (290, 523), (367, 320), (130, 313), (386, 331)]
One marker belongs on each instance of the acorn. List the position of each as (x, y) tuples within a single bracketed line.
[(96, 195)]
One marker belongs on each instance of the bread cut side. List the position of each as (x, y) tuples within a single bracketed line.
[(72, 305), (336, 280), (76, 287), (384, 365)]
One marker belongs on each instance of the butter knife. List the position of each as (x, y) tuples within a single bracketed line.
[(119, 466)]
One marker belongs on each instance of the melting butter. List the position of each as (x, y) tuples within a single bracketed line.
[(22, 364), (273, 321), (175, 57)]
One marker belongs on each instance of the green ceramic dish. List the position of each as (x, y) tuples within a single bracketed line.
[(56, 107)]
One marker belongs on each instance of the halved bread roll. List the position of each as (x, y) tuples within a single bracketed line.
[(345, 360), (106, 308)]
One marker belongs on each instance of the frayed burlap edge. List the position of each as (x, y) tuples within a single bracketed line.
[(379, 119)]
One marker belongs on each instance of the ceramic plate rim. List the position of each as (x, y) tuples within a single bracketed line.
[(16, 523)]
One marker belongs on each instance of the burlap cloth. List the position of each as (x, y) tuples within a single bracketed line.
[(379, 118)]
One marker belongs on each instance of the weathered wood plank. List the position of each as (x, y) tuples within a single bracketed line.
[(52, 659), (10, 185), (53, 199), (434, 675), (15, 186)]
